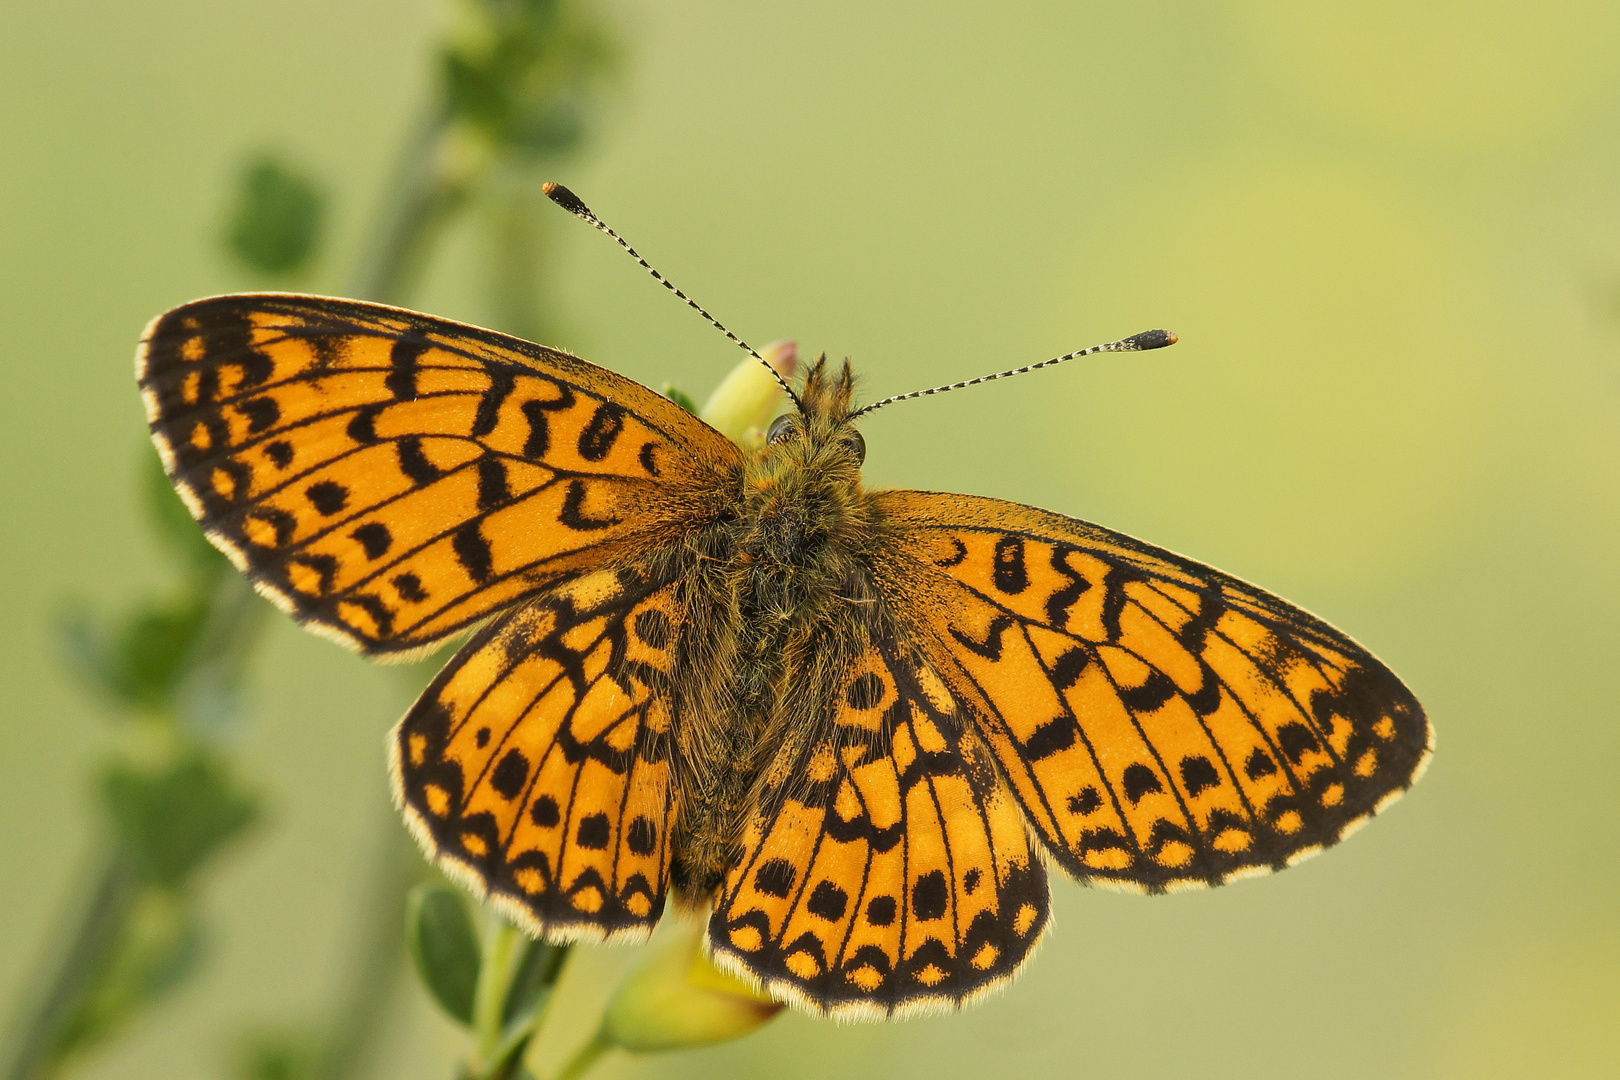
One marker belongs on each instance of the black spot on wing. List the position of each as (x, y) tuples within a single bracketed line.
[(880, 910), (930, 895), (1296, 740), (865, 692), (545, 812), (828, 901), (775, 877), (403, 359), (375, 538), (328, 497), (502, 381), (601, 432), (473, 552), (492, 485), (1198, 774), (1085, 801), (642, 836), (363, 426), (1010, 573), (594, 832), (413, 462), (509, 775), (262, 413), (1068, 668), (1050, 738), (410, 588), (1140, 780)]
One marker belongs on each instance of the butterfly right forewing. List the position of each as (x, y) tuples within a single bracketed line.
[(1163, 724)]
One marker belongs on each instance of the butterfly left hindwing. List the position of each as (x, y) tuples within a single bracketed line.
[(537, 765)]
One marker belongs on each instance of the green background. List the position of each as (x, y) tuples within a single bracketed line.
[(1388, 234)]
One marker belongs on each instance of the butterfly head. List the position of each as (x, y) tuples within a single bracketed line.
[(821, 433)]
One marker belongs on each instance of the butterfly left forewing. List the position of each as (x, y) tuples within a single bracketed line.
[(890, 872), (390, 478), (536, 766), (1164, 725)]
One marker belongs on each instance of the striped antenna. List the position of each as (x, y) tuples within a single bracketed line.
[(576, 206), (1148, 339)]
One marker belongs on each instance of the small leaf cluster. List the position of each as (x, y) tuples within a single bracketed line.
[(497, 982), (524, 71), (170, 669)]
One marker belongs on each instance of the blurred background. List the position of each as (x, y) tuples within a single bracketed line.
[(1388, 235)]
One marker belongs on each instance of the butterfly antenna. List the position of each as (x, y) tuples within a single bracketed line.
[(1148, 339), (576, 206)]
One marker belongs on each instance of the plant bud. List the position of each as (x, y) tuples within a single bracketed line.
[(678, 998)]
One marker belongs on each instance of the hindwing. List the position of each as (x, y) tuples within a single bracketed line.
[(536, 767), (892, 872), (391, 478), (1164, 725)]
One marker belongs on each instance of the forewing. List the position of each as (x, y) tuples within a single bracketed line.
[(391, 478), (536, 768), (893, 873), (1164, 725)]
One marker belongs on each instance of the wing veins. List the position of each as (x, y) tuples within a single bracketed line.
[(1276, 683)]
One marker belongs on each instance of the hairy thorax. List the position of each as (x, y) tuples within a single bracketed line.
[(780, 578)]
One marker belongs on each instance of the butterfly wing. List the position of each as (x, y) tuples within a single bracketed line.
[(1163, 725), (893, 872), (390, 478), (536, 766)]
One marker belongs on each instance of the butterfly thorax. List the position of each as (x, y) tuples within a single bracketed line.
[(783, 577)]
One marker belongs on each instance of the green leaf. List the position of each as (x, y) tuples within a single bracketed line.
[(444, 947), (286, 1055), (153, 649), (276, 223), (172, 820), (157, 943), (681, 398)]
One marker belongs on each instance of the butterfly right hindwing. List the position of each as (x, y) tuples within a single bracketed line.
[(892, 873)]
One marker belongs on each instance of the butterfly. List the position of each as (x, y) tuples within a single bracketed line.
[(855, 724)]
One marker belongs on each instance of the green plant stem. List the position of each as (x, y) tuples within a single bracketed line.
[(205, 702), (37, 1039), (501, 942), (432, 180), (376, 965)]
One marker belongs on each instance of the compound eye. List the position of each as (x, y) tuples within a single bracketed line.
[(782, 427), (857, 445)]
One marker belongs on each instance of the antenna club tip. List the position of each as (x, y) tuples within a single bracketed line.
[(565, 199), (1151, 339)]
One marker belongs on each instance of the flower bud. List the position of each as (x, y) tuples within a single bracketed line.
[(749, 397), (678, 998)]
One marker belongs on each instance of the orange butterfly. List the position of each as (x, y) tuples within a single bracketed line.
[(851, 720)]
